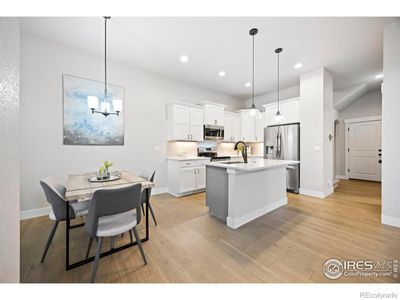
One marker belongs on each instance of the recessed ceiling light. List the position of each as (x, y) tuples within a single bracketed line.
[(184, 59), (222, 74), (298, 65), (247, 84), (379, 76)]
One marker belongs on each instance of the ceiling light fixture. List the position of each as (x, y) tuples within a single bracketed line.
[(278, 116), (379, 76), (298, 65), (222, 74), (247, 84), (105, 105), (184, 59), (254, 111)]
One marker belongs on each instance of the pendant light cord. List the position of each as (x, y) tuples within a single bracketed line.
[(253, 73), (278, 84), (105, 58)]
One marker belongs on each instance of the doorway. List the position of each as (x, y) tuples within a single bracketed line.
[(364, 148)]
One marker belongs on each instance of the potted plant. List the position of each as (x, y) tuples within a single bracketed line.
[(104, 171)]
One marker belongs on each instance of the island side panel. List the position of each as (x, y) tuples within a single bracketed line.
[(253, 194), (217, 192)]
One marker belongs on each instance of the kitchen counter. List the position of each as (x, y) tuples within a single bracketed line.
[(238, 193), (254, 164), (187, 158)]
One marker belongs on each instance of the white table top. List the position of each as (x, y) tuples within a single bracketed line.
[(79, 186)]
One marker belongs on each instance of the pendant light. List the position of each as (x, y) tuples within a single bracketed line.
[(105, 105), (278, 116), (253, 111)]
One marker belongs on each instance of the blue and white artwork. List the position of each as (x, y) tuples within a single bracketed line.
[(81, 126)]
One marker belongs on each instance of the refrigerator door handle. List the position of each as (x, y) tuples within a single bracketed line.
[(278, 145), (291, 167)]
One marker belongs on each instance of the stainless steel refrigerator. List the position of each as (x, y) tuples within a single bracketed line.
[(283, 142)]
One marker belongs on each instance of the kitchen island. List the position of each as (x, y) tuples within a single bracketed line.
[(238, 193)]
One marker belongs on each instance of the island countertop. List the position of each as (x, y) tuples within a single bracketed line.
[(253, 164)]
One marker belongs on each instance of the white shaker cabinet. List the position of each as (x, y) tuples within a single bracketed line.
[(213, 114), (290, 109), (185, 123), (231, 127), (186, 176), (260, 124)]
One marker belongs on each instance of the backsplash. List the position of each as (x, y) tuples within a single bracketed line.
[(189, 149)]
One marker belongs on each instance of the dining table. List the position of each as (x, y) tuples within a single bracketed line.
[(80, 187)]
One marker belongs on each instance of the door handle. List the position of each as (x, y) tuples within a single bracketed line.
[(290, 167)]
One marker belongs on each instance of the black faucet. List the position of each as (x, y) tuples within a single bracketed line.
[(244, 152)]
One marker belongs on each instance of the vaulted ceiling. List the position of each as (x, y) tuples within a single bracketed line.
[(350, 48)]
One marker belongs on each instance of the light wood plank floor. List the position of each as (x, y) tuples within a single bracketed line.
[(289, 244)]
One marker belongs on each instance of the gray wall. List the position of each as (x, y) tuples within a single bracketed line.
[(366, 106), (9, 161), (146, 96)]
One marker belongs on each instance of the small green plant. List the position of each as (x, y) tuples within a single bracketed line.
[(104, 169), (240, 147)]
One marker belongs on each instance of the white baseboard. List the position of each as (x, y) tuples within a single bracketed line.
[(156, 191), (392, 221), (342, 177), (237, 222), (311, 193), (34, 213), (328, 192)]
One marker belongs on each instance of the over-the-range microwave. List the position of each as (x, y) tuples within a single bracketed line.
[(213, 132)]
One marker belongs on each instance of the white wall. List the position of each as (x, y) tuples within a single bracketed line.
[(391, 125), (146, 95), (288, 93), (9, 161), (316, 117), (365, 106)]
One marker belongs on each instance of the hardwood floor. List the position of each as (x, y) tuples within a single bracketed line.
[(289, 244)]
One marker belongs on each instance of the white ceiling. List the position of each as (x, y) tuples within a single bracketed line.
[(350, 48)]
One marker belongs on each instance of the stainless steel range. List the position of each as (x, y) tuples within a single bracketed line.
[(212, 153)]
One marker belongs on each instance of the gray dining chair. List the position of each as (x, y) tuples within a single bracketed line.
[(113, 212), (54, 192), (149, 175)]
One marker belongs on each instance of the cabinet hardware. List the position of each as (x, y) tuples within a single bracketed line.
[(380, 161), (188, 136), (380, 154), (191, 137)]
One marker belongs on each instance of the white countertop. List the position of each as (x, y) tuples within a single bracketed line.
[(254, 164), (188, 158)]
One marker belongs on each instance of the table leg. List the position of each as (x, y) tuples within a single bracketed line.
[(147, 214), (67, 227)]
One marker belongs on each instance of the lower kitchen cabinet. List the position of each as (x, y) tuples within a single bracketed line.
[(186, 176)]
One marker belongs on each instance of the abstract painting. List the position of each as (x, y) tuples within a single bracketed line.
[(81, 126)]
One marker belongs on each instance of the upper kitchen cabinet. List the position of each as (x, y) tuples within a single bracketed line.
[(185, 122), (213, 113), (289, 108), (231, 127), (260, 124)]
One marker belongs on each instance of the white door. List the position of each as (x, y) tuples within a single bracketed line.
[(181, 120), (201, 177), (196, 124), (364, 150), (228, 134), (187, 179)]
